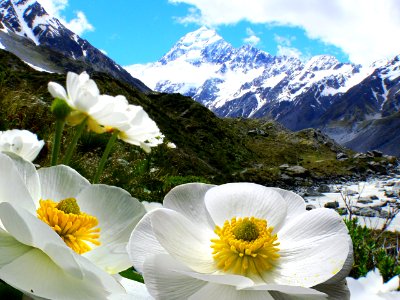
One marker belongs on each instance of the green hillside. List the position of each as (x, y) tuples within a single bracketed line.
[(209, 149)]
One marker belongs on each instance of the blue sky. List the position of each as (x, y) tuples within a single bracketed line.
[(141, 31)]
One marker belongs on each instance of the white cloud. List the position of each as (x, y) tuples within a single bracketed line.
[(364, 29), (284, 47), (251, 38), (289, 51), (283, 40), (78, 25)]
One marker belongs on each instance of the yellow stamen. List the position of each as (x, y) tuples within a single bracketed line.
[(74, 227), (245, 247)]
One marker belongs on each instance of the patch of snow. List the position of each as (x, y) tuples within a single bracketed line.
[(273, 81), (176, 72), (19, 9), (37, 68)]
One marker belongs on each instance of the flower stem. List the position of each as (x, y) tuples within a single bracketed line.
[(74, 142), (103, 160), (57, 141)]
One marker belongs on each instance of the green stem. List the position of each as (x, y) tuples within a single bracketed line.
[(103, 160), (57, 141), (74, 142)]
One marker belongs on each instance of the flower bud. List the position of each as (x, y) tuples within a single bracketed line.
[(60, 108)]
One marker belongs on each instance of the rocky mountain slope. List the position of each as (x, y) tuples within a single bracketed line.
[(42, 41), (322, 93)]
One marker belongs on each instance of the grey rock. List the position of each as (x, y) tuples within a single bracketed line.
[(333, 204), (297, 171), (310, 207), (366, 212), (324, 188), (364, 200), (341, 156)]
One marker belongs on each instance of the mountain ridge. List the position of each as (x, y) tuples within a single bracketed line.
[(27, 31), (248, 82)]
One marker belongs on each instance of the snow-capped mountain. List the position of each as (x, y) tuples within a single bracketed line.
[(248, 82), (42, 41)]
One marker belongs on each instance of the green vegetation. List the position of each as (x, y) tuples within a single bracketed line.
[(373, 249)]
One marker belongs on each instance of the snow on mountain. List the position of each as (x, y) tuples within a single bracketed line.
[(204, 66), (247, 82), (39, 39)]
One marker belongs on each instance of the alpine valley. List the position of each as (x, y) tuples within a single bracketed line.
[(357, 106), (36, 48)]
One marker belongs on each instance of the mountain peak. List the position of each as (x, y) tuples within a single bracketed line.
[(195, 45), (201, 35)]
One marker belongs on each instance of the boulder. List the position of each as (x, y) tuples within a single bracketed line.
[(341, 156), (310, 207), (324, 188), (297, 171), (333, 204)]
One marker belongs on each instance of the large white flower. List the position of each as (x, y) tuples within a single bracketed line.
[(21, 142), (241, 241), (372, 287), (42, 259)]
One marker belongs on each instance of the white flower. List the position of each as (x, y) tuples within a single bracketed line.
[(171, 145), (34, 256), (82, 95), (21, 142), (240, 241), (371, 287), (141, 131)]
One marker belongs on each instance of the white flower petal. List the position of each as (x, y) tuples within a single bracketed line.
[(164, 282), (29, 230), (297, 265), (317, 235), (312, 225), (35, 274), (295, 204), (226, 292), (392, 285), (117, 213), (57, 91), (288, 290), (116, 210), (143, 243), (12, 184), (188, 199), (245, 200), (134, 290), (149, 206), (60, 182), (337, 291), (10, 248), (29, 175), (112, 258), (73, 86), (184, 240)]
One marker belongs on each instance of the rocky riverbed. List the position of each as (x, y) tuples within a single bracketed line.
[(373, 201)]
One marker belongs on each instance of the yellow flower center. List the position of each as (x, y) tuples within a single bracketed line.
[(246, 246), (74, 227)]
